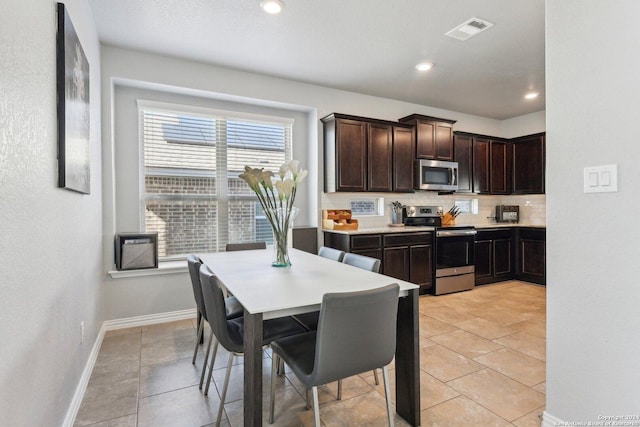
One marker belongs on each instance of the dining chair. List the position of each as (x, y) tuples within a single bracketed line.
[(310, 320), (230, 332), (331, 253), (362, 261), (245, 246), (233, 309), (356, 333)]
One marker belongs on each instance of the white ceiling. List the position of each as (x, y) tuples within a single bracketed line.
[(365, 46)]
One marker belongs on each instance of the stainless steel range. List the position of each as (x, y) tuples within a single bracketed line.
[(454, 249)]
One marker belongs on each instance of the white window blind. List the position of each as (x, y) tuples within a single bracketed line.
[(193, 197)]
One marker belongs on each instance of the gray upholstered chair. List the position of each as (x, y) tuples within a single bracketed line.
[(233, 309), (331, 253), (230, 332), (356, 333), (363, 262), (310, 320), (245, 246)]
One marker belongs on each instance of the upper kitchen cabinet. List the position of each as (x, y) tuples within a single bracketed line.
[(463, 154), (362, 154), (500, 179), (434, 136), (403, 156), (529, 164)]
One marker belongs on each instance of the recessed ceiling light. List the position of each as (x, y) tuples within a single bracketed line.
[(272, 6), (424, 66), (531, 95)]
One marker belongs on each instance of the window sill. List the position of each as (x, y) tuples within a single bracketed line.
[(164, 267)]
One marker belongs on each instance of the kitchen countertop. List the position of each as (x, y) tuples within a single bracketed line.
[(415, 229)]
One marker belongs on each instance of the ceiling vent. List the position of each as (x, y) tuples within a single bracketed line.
[(469, 29)]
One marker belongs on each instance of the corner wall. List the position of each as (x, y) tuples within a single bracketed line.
[(51, 271), (593, 294)]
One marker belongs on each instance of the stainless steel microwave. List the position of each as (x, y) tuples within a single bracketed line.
[(436, 175)]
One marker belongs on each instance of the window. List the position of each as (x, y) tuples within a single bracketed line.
[(193, 196)]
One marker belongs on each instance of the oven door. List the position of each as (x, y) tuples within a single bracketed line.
[(455, 252)]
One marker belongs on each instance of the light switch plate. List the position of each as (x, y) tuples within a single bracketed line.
[(601, 179)]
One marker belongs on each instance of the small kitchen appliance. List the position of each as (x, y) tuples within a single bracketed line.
[(507, 213), (436, 175)]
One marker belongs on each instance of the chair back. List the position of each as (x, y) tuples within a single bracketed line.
[(194, 263), (245, 246), (334, 254), (214, 302), (363, 262), (356, 333)]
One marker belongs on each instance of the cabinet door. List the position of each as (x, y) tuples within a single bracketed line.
[(500, 168), (463, 154), (484, 261), (396, 262), (528, 165), (403, 149), (481, 165), (351, 155), (421, 265), (444, 141), (425, 140), (379, 156), (502, 258)]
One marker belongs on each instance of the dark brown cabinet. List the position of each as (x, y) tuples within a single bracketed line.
[(531, 249), (494, 256), (379, 157), (528, 158), (360, 154), (463, 154), (500, 168), (489, 165), (406, 256), (434, 136), (403, 156), (481, 165)]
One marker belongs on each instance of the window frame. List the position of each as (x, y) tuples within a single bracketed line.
[(222, 200)]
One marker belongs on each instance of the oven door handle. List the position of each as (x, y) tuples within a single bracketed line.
[(455, 233)]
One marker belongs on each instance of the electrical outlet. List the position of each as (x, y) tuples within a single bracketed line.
[(81, 332)]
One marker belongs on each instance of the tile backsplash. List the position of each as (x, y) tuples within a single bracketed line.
[(533, 208)]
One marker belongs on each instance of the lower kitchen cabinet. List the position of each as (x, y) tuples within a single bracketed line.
[(405, 256), (494, 257), (532, 248)]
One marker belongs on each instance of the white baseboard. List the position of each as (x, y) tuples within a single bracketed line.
[(150, 319), (549, 420), (111, 325)]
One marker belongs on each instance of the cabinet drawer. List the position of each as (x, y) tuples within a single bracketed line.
[(407, 239), (368, 241), (494, 234), (533, 233)]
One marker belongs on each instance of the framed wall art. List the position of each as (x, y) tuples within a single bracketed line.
[(74, 168)]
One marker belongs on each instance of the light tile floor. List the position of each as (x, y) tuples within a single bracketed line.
[(482, 361)]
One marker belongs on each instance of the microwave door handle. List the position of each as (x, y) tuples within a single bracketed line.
[(452, 178)]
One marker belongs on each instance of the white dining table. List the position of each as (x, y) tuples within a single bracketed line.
[(268, 292)]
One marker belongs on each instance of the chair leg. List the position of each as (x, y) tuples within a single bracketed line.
[(213, 360), (375, 376), (339, 389), (316, 407), (275, 364), (308, 405), (206, 358), (223, 396), (198, 338), (387, 394)]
